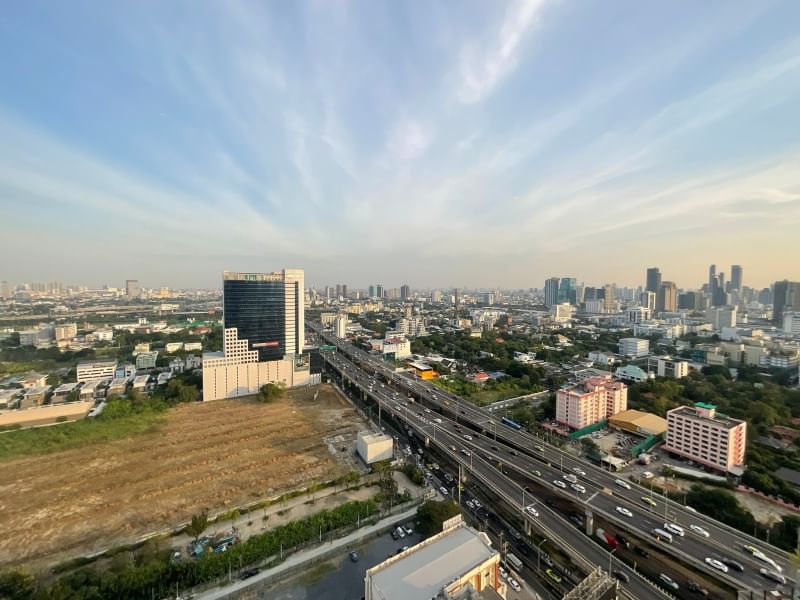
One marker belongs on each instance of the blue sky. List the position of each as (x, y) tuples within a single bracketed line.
[(434, 143)]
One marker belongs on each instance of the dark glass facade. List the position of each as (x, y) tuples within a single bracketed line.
[(258, 310)]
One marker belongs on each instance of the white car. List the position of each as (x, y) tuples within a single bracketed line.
[(571, 478), (513, 583), (623, 484), (624, 511), (716, 564), (699, 530), (470, 505), (579, 471), (559, 483), (502, 572), (578, 488), (676, 529), (477, 504), (443, 491), (532, 511), (668, 580)]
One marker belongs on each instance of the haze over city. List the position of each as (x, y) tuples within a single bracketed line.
[(400, 141)]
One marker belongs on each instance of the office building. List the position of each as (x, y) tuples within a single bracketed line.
[(132, 289), (709, 438), (595, 306), (667, 297), (712, 278), (455, 563), (634, 347), (379, 291), (551, 291), (721, 317), (791, 323), (637, 314), (567, 290), (693, 301), (648, 300), (593, 400), (653, 279), (29, 337), (96, 369), (736, 278), (263, 335), (675, 369), (371, 291), (146, 360), (786, 298), (405, 291)]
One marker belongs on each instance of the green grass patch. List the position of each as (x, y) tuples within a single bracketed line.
[(123, 420)]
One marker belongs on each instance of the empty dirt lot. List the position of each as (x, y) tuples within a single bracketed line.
[(211, 457)]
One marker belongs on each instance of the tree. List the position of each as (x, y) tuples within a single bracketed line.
[(16, 585), (197, 526), (431, 514), (270, 392), (188, 393)]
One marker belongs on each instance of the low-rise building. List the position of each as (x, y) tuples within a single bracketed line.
[(173, 347), (94, 389), (634, 347), (374, 447), (593, 400), (192, 362), (400, 348), (701, 434), (104, 335), (142, 347), (66, 331), (118, 386), (31, 379), (125, 369), (96, 369), (602, 358), (34, 396), (675, 369), (140, 384), (193, 346), (29, 337), (146, 360), (633, 374), (63, 391), (10, 398), (639, 423), (445, 565)]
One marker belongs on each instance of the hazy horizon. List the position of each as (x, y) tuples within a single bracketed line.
[(373, 142)]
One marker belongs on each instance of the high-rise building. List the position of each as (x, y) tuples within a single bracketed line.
[(667, 297), (379, 291), (132, 289), (338, 290), (595, 399), (653, 279), (551, 291), (371, 291), (712, 278), (786, 298), (5, 289), (567, 290), (690, 301), (267, 310), (736, 277), (648, 300), (405, 291), (344, 290), (436, 296)]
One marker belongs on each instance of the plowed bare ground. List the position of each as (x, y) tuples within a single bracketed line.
[(210, 456)]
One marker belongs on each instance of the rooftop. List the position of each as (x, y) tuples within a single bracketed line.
[(98, 363), (422, 571), (647, 422), (693, 412)]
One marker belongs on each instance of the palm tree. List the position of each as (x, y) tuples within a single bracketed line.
[(197, 526)]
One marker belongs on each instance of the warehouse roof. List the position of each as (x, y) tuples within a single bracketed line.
[(647, 423)]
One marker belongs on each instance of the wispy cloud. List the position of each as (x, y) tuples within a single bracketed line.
[(408, 139)]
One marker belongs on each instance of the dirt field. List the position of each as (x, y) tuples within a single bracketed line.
[(209, 457)]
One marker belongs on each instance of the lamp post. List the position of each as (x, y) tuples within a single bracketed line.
[(539, 554), (610, 555)]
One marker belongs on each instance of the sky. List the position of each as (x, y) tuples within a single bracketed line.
[(440, 143)]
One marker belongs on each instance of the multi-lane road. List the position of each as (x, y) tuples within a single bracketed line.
[(522, 453)]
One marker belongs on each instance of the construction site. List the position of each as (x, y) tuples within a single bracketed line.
[(206, 457)]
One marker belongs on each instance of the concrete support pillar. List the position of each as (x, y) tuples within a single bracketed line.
[(589, 518), (528, 528)]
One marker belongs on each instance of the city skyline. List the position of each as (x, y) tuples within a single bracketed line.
[(378, 142)]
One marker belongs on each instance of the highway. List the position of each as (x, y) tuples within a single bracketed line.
[(450, 442), (693, 548)]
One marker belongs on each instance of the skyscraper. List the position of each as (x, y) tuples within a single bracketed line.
[(667, 297), (344, 290), (712, 278), (132, 289), (648, 300), (267, 310), (372, 291), (405, 291), (653, 279), (786, 298), (379, 291), (551, 291), (736, 277), (567, 290), (719, 296)]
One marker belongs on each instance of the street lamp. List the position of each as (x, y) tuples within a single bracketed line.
[(610, 555), (539, 554)]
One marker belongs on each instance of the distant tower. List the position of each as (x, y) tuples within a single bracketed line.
[(736, 277), (653, 279), (551, 291)]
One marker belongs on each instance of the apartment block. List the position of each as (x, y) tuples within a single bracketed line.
[(98, 369), (701, 434), (672, 368), (593, 400), (634, 347)]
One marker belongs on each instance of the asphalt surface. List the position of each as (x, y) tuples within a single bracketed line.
[(602, 492)]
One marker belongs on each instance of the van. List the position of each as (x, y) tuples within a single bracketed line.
[(662, 535)]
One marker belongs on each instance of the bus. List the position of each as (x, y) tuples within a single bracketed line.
[(514, 562), (509, 423)]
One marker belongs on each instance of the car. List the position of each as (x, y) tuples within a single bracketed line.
[(401, 532), (537, 473), (579, 471), (465, 452), (513, 583), (532, 511), (736, 566), (467, 437), (477, 503), (673, 528), (668, 581), (404, 548), (539, 448), (443, 491), (559, 483), (470, 504), (553, 575), (578, 488), (248, 574), (623, 484), (641, 552), (408, 529), (773, 575), (716, 564), (395, 535), (697, 588), (577, 519), (354, 556), (427, 410), (624, 511), (571, 478), (502, 572), (647, 475), (690, 509), (622, 576), (649, 501), (514, 533), (699, 530), (495, 448)]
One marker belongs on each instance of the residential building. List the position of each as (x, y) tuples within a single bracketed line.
[(701, 434), (34, 396), (405, 291), (562, 312), (398, 348), (601, 358), (653, 280), (141, 347), (791, 323), (171, 347), (595, 306), (29, 337), (374, 447), (62, 392), (340, 326), (648, 300), (66, 331), (193, 346), (118, 386), (450, 564), (637, 314), (592, 400), (96, 369), (667, 297), (675, 369), (146, 360), (132, 289), (5, 289), (721, 317), (551, 291), (94, 389), (31, 379), (436, 296), (125, 369), (634, 347), (103, 335)]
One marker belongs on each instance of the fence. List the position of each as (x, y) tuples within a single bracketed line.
[(646, 444), (590, 429)]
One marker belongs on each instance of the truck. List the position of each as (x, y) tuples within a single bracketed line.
[(607, 538)]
